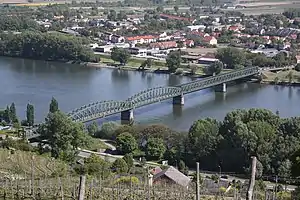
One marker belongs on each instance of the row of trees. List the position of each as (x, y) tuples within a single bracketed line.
[(45, 46), (234, 58), (226, 144), (9, 115)]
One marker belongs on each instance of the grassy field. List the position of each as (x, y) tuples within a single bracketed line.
[(282, 76), (21, 164), (135, 63)]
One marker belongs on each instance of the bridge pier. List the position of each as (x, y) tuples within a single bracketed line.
[(127, 117), (178, 100), (221, 87)]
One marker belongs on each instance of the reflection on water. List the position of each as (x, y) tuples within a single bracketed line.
[(73, 86)]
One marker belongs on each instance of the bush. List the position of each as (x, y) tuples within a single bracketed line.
[(119, 166), (126, 143), (127, 180)]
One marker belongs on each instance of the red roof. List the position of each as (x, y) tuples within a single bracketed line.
[(189, 42), (208, 38), (293, 36), (164, 45), (233, 28), (197, 33), (139, 37), (176, 17)]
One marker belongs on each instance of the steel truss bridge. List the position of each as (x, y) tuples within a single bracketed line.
[(102, 109)]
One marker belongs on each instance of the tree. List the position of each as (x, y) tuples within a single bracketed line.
[(63, 135), (119, 166), (92, 128), (160, 9), (107, 130), (126, 143), (155, 148), (95, 166), (180, 44), (53, 105), (173, 61), (214, 68), (129, 160), (204, 137), (121, 55), (176, 9), (13, 113), (112, 16), (233, 58), (146, 63), (297, 67), (30, 115)]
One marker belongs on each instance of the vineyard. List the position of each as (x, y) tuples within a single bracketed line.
[(97, 189), (20, 164)]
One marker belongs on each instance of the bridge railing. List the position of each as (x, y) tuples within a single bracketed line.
[(219, 79)]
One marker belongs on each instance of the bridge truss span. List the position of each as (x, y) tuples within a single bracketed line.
[(219, 79), (98, 110), (154, 95)]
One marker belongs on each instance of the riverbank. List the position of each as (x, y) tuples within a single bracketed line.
[(287, 77)]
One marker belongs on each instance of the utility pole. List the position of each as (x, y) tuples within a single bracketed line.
[(198, 182), (252, 180), (81, 191), (275, 189)]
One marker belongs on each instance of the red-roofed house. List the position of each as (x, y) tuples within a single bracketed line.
[(142, 39), (210, 40), (164, 45), (293, 36), (189, 43), (234, 28)]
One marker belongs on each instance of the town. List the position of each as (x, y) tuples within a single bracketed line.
[(249, 154)]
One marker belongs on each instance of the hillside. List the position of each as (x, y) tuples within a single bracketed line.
[(21, 164)]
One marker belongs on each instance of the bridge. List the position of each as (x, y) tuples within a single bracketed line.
[(102, 109)]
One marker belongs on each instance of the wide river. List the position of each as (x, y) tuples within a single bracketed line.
[(27, 81)]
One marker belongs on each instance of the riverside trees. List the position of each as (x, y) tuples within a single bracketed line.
[(45, 46)]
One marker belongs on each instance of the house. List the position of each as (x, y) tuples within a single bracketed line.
[(137, 51), (196, 27), (234, 28), (189, 43), (210, 40), (142, 39), (155, 170), (164, 45), (298, 58), (207, 61), (173, 176)]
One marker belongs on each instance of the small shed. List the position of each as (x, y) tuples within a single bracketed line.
[(173, 176)]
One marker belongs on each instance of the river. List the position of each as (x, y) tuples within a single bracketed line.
[(28, 81)]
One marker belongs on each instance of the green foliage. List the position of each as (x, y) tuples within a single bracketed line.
[(155, 148), (233, 58), (204, 137), (119, 166), (13, 113), (30, 115), (17, 23), (53, 107), (22, 145), (107, 130), (129, 160), (127, 180), (92, 128), (45, 46), (284, 195), (120, 55), (173, 61), (214, 68), (64, 136), (126, 143), (96, 166)]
